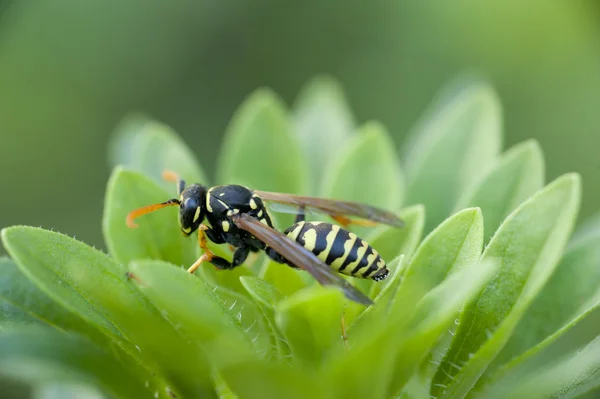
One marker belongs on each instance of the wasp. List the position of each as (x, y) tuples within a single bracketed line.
[(238, 216)]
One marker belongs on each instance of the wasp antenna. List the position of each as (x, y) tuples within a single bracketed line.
[(147, 209), (171, 176)]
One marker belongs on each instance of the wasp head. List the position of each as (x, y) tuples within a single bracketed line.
[(192, 208)]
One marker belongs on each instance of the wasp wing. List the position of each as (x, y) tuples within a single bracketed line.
[(332, 207), (298, 256)]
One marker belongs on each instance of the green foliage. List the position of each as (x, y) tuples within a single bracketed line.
[(453, 320)]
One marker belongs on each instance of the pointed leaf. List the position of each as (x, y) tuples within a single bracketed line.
[(157, 236), (256, 326), (273, 381), (323, 122), (229, 279), (39, 355), (310, 323), (22, 294), (528, 246), (150, 147), (391, 242), (267, 297), (355, 312), (263, 292), (89, 283), (454, 145), (195, 310), (259, 149), (574, 282), (562, 378), (569, 339), (367, 171), (517, 176), (434, 313), (453, 245), (396, 346), (286, 279)]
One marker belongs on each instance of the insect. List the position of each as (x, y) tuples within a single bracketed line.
[(239, 217)]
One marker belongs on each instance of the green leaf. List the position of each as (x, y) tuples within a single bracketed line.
[(310, 323), (454, 145), (222, 388), (517, 176), (273, 381), (396, 346), (158, 235), (432, 316), (12, 316), (267, 297), (259, 149), (286, 279), (249, 314), (149, 147), (89, 283), (572, 285), (571, 338), (355, 312), (391, 242), (35, 252), (264, 293), (528, 246), (229, 279), (323, 122), (195, 310), (562, 378), (39, 355), (528, 356), (456, 243), (367, 171), (453, 245), (20, 293)]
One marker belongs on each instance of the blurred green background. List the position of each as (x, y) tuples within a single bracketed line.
[(70, 70)]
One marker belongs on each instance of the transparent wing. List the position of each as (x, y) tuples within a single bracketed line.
[(298, 256), (291, 203)]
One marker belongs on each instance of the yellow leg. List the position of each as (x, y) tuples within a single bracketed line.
[(344, 336), (207, 254), (131, 276)]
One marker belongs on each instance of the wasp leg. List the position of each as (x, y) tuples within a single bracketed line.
[(301, 216), (239, 257), (344, 336), (212, 234), (346, 221), (278, 258), (207, 254), (174, 177)]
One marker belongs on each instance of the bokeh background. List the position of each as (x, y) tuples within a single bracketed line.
[(71, 69)]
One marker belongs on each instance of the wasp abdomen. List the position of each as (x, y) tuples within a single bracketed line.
[(342, 250)]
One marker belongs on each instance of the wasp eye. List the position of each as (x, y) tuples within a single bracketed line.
[(190, 204)]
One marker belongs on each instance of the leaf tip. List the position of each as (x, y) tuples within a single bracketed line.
[(262, 98)]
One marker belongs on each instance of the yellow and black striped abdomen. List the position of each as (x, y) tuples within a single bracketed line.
[(342, 250)]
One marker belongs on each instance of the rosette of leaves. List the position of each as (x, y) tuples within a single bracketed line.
[(505, 309)]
